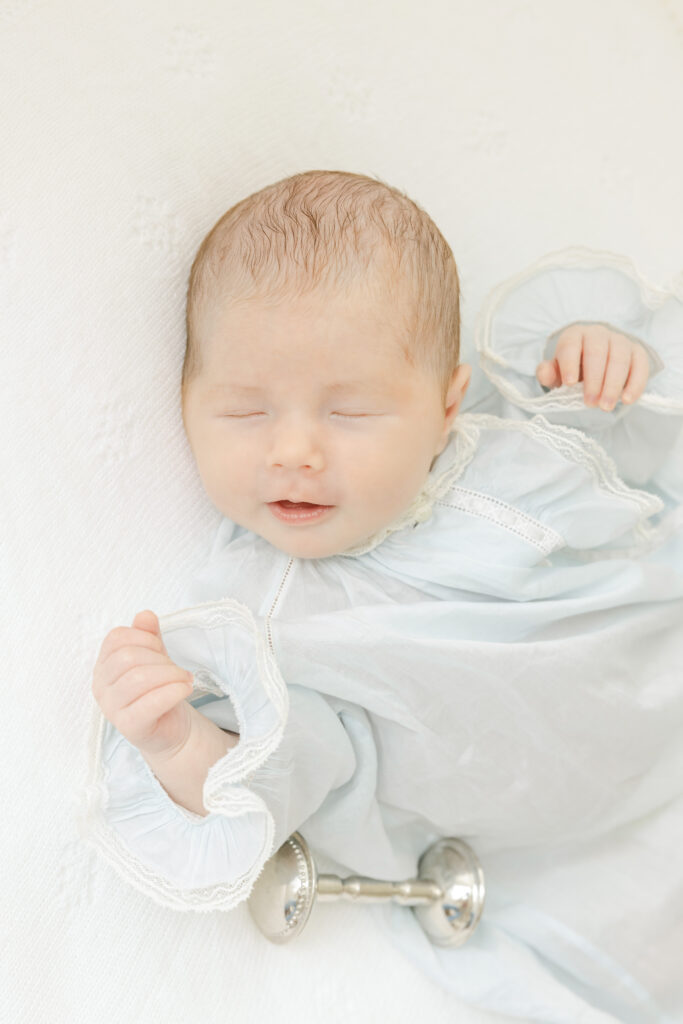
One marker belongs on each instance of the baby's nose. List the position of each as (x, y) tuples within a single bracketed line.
[(297, 447)]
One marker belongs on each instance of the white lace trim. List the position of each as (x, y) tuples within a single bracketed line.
[(570, 396), (223, 793), (574, 445)]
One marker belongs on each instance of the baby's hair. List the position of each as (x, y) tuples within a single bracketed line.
[(320, 229)]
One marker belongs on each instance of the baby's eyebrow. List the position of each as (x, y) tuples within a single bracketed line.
[(347, 385)]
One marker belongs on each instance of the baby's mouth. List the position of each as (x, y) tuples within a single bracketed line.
[(300, 504), (298, 511)]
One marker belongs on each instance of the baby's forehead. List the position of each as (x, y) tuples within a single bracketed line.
[(354, 325), (355, 318)]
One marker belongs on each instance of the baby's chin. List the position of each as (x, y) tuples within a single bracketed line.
[(309, 549), (304, 544), (316, 540)]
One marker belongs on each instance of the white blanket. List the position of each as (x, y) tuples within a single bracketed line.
[(127, 130)]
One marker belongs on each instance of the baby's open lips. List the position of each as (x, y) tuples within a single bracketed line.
[(298, 501), (299, 513)]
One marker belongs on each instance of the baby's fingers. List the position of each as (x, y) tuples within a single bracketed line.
[(127, 689), (139, 720), (568, 354), (594, 361), (638, 377), (565, 366), (548, 374), (618, 366), (125, 636)]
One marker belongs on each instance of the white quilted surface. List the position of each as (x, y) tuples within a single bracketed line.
[(521, 126)]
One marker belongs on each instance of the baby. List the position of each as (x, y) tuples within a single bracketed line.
[(416, 621), (321, 380)]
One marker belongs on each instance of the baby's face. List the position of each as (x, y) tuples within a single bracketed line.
[(313, 400)]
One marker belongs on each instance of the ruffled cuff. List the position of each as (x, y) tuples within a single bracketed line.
[(254, 794), (519, 326)]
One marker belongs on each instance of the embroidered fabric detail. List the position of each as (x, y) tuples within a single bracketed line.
[(278, 595), (510, 518), (570, 396), (225, 788)]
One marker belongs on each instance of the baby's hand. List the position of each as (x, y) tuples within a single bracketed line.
[(140, 690), (604, 360)]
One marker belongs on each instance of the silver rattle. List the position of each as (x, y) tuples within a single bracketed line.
[(447, 897)]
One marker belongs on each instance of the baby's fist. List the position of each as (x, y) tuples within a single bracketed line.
[(140, 690), (607, 362)]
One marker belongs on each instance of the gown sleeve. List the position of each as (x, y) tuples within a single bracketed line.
[(519, 326), (293, 750)]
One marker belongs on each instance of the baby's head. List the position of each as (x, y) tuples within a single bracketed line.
[(323, 337)]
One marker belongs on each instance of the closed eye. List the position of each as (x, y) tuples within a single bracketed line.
[(352, 415), (246, 415)]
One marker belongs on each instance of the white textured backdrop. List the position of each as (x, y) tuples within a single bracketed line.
[(522, 126)]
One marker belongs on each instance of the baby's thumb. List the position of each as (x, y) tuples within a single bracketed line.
[(548, 373), (149, 621)]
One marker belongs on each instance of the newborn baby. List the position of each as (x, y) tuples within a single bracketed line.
[(414, 621)]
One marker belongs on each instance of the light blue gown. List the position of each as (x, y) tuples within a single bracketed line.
[(503, 664)]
